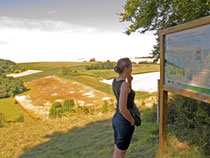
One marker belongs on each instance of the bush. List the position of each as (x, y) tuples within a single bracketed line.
[(68, 71), (101, 65), (68, 105), (56, 110), (145, 62), (20, 118), (10, 86), (104, 108), (92, 60), (59, 110), (192, 117), (7, 66)]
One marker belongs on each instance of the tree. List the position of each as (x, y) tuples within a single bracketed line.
[(92, 60), (7, 66), (155, 15)]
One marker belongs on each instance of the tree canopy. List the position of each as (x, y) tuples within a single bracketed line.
[(9, 86), (7, 66), (150, 15)]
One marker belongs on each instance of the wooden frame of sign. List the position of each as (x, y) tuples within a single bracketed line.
[(164, 89)]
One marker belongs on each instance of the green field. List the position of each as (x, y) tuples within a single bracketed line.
[(11, 110)]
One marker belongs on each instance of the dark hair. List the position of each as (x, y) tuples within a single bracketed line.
[(122, 64)]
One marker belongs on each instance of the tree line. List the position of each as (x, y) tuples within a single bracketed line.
[(101, 65), (9, 86)]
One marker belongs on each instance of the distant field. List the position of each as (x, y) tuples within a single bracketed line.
[(11, 110), (49, 68), (106, 88), (87, 77), (54, 68), (51, 65)]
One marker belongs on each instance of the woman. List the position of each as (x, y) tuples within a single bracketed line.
[(123, 122)]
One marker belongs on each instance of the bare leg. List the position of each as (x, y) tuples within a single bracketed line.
[(118, 153)]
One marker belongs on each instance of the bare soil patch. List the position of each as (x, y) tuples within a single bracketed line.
[(25, 73)]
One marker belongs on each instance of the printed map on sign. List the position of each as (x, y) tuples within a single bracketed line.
[(187, 59)]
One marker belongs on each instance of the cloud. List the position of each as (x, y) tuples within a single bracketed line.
[(47, 40), (52, 12), (3, 42), (42, 25)]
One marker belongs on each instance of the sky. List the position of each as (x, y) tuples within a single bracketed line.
[(68, 30)]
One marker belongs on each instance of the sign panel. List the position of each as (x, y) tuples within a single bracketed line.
[(187, 59)]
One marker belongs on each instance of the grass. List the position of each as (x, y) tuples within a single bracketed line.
[(179, 149), (11, 110), (89, 136), (51, 65)]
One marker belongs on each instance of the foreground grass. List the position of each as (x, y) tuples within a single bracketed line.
[(79, 136), (85, 135)]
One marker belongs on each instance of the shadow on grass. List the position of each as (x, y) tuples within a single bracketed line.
[(95, 140)]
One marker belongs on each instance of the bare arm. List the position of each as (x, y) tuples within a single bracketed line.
[(129, 79), (124, 90)]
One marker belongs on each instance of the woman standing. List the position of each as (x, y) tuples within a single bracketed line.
[(123, 122)]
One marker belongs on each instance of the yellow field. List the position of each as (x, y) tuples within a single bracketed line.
[(48, 90)]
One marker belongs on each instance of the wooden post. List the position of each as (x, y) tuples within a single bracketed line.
[(163, 99), (158, 103)]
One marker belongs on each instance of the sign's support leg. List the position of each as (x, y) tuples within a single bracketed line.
[(163, 120)]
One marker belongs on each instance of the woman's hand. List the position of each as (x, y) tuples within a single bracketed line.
[(130, 78), (133, 122)]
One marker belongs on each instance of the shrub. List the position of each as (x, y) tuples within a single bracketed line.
[(7, 66), (20, 118), (10, 86), (192, 117), (104, 108), (68, 105), (92, 60), (68, 71), (100, 65), (59, 110), (56, 110)]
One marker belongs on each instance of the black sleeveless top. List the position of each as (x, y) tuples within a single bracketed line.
[(116, 89)]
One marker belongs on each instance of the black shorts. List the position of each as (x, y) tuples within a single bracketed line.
[(123, 131)]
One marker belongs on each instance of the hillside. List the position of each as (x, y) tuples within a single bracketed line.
[(87, 130)]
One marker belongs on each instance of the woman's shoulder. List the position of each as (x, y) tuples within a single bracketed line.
[(125, 86)]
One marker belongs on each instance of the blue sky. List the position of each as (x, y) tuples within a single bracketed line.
[(65, 30)]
